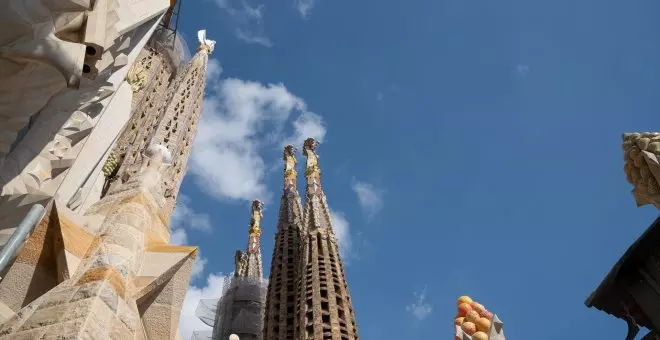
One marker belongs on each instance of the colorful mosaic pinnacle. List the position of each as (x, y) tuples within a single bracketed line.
[(474, 322)]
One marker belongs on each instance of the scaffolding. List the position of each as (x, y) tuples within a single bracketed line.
[(239, 310)]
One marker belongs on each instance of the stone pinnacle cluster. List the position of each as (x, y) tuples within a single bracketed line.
[(308, 296)]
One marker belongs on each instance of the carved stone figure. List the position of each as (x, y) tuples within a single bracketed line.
[(137, 77)]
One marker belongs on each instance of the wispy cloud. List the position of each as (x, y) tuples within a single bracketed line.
[(239, 119), (252, 38), (342, 232), (184, 216), (370, 198), (247, 20), (522, 69), (304, 7), (212, 289), (420, 309)]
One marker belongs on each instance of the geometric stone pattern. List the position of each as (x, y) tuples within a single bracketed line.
[(117, 284), (642, 166), (281, 297), (324, 308)]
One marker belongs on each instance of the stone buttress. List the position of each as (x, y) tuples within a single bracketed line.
[(122, 282), (279, 322), (324, 306)]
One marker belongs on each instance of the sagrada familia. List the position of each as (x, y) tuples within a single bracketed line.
[(99, 106)]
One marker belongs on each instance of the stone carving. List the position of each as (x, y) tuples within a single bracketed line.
[(241, 261), (290, 162), (642, 166), (137, 77), (205, 44), (309, 147), (257, 215)]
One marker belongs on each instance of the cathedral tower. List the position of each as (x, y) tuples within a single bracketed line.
[(170, 120), (324, 307), (240, 310), (280, 304)]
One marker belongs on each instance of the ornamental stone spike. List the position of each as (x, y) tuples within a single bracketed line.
[(642, 166), (290, 173)]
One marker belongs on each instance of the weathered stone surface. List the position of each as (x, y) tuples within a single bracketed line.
[(642, 166)]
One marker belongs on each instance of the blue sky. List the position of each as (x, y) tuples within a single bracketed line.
[(468, 147)]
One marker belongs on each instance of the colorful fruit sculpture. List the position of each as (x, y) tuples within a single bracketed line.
[(472, 319)]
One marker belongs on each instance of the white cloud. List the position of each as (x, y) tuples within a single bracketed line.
[(371, 198), (342, 231), (248, 22), (420, 309), (184, 216), (178, 237), (198, 266), (250, 38), (226, 161), (522, 69), (307, 125), (213, 69), (304, 7), (188, 321)]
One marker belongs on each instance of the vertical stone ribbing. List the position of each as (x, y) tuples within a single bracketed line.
[(280, 317), (324, 307)]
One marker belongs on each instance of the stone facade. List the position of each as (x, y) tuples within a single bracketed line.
[(63, 98), (109, 273)]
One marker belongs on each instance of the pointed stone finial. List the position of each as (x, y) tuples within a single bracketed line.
[(290, 173), (257, 215), (312, 168), (205, 44)]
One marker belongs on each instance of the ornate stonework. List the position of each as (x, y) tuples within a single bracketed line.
[(323, 305), (642, 166)]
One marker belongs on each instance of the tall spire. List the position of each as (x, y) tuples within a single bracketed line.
[(173, 125), (250, 264), (280, 304), (324, 308)]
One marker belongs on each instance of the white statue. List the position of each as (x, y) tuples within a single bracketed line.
[(206, 44)]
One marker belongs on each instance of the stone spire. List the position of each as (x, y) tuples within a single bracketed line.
[(249, 264), (324, 308), (280, 304), (175, 124)]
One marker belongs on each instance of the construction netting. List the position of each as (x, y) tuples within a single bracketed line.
[(239, 310)]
